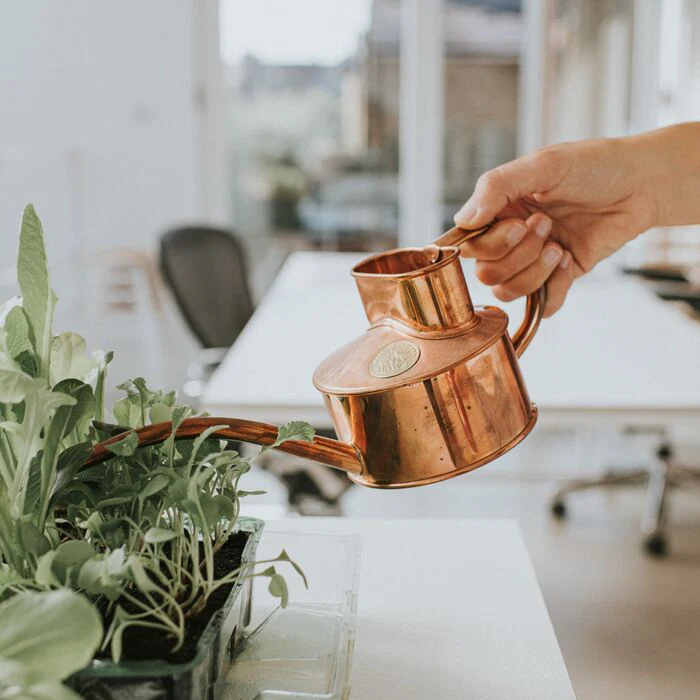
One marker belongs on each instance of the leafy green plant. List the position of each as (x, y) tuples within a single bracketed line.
[(36, 653), (136, 535)]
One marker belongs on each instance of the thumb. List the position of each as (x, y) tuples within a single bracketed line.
[(496, 189)]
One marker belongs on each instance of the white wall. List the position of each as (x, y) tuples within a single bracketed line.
[(100, 127)]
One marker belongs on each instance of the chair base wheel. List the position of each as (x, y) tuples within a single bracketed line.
[(656, 545), (558, 509)]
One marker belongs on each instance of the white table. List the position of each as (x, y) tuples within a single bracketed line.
[(447, 609), (614, 355)]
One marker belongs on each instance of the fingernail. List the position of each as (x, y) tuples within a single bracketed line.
[(552, 256), (565, 261), (466, 213), (515, 234), (543, 227)]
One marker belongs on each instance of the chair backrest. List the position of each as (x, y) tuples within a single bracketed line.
[(206, 270)]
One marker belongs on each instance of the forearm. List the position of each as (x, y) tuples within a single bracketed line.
[(669, 166)]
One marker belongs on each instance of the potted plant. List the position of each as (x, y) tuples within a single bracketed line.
[(124, 568)]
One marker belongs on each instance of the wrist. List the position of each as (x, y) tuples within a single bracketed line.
[(667, 171)]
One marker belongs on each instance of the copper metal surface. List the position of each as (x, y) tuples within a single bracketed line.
[(432, 390)]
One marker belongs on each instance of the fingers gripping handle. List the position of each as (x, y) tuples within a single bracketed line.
[(534, 308)]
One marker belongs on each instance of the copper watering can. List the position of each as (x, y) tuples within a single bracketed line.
[(430, 391)]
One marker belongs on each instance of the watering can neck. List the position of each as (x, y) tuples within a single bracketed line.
[(423, 289), (332, 453)]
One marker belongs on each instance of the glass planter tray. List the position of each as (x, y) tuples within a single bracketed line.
[(302, 652)]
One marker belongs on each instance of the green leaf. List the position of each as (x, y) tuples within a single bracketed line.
[(278, 588), (38, 300), (296, 430), (70, 556), (102, 359), (153, 486), (32, 539), (69, 359), (225, 505), (44, 574), (242, 494), (200, 440), (48, 635), (126, 446), (127, 412), (155, 535), (14, 383), (285, 557), (68, 465), (160, 413), (17, 330), (179, 414), (141, 578), (66, 418)]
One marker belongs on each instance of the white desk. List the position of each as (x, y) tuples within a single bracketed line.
[(447, 609), (614, 354)]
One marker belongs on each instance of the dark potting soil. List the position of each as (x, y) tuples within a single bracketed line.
[(146, 644)]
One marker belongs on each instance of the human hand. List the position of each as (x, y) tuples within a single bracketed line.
[(560, 211)]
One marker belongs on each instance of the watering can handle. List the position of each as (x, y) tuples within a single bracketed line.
[(534, 306)]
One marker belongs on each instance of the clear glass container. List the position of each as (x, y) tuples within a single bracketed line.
[(305, 650)]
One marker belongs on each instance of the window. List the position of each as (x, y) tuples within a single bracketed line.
[(311, 110)]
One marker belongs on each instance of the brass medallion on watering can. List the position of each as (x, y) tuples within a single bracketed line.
[(432, 389)]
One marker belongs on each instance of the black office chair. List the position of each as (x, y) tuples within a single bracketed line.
[(206, 271)]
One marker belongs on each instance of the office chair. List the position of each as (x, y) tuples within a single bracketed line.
[(663, 472), (207, 273)]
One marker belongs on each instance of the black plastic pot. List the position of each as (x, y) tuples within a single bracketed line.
[(194, 680)]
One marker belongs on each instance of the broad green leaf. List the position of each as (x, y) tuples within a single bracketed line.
[(14, 383), (69, 463), (126, 446), (127, 412), (153, 486), (155, 535), (81, 412), (278, 588), (32, 539), (17, 330), (70, 556), (69, 359), (160, 413), (225, 506), (103, 574), (296, 430), (38, 300), (44, 574), (39, 405), (51, 635)]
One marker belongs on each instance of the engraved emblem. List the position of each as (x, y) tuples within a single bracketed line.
[(394, 359)]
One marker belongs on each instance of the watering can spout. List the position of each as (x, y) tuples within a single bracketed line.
[(332, 453)]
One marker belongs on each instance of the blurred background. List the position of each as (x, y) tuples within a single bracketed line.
[(352, 126)]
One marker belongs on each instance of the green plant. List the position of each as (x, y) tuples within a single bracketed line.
[(138, 534), (36, 654)]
